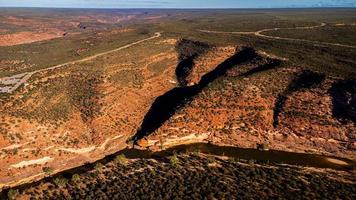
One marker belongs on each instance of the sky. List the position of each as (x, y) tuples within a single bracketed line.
[(177, 3)]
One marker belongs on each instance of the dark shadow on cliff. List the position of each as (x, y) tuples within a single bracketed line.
[(188, 51), (167, 104), (305, 80), (271, 64), (343, 95)]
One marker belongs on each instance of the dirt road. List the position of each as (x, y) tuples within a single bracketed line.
[(260, 34), (19, 80)]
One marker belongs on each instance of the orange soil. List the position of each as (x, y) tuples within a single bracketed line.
[(28, 37), (75, 142), (209, 62)]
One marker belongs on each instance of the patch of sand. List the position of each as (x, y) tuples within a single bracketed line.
[(336, 161), (168, 41), (102, 146), (263, 53), (14, 146), (78, 151), (32, 162), (192, 138)]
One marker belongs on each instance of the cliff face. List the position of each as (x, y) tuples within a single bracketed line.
[(241, 107)]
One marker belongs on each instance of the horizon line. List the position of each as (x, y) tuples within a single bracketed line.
[(182, 8)]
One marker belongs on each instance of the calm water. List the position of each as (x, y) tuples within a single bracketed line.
[(272, 156)]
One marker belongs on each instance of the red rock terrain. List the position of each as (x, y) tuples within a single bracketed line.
[(238, 109)]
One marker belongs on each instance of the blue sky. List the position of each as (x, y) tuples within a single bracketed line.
[(177, 3)]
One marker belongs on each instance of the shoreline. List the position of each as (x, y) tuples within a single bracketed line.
[(137, 153)]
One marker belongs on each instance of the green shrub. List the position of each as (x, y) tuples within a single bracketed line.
[(76, 177), (60, 181), (211, 159), (48, 170), (12, 194), (121, 159), (174, 160), (98, 166)]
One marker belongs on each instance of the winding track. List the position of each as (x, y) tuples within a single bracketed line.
[(260, 34), (27, 76)]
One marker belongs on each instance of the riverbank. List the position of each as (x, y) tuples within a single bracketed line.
[(272, 157), (194, 175)]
